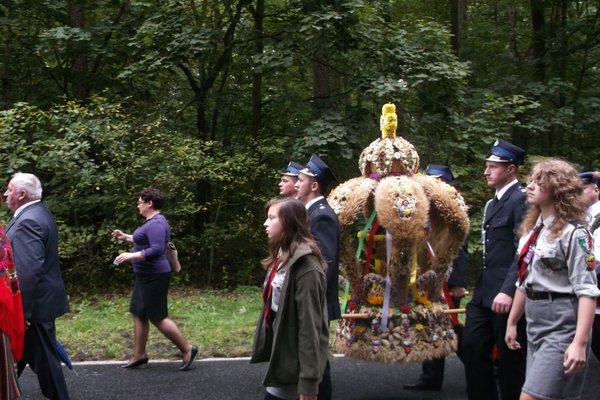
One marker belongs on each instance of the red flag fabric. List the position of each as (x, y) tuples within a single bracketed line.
[(11, 306)]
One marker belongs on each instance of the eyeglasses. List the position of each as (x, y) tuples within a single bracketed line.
[(141, 202)]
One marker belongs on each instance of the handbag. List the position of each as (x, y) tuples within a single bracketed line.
[(171, 253)]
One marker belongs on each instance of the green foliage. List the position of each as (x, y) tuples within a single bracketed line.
[(210, 100), (93, 162)]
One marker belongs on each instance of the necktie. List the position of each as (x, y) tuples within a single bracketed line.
[(267, 292), (526, 254), (490, 208)]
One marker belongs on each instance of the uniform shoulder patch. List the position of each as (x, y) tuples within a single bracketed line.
[(585, 242), (590, 262)]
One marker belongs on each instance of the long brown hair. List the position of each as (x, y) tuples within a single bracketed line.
[(569, 204), (295, 232)]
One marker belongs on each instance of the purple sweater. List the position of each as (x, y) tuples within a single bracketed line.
[(151, 239)]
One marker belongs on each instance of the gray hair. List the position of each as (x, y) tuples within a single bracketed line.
[(29, 183)]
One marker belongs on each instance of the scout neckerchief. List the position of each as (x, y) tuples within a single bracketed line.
[(267, 293), (527, 252)]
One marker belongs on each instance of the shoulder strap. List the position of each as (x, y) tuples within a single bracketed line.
[(577, 226), (595, 223)]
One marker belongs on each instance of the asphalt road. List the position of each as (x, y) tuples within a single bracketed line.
[(236, 379)]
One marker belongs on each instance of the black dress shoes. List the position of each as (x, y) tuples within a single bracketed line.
[(139, 363), (420, 385), (186, 365)]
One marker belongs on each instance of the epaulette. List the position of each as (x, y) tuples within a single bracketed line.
[(576, 223)]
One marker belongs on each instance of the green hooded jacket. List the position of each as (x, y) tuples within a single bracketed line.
[(300, 340)]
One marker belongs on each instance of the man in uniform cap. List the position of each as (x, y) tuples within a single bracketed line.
[(288, 180), (487, 312), (440, 171), (313, 183), (591, 192), (432, 375)]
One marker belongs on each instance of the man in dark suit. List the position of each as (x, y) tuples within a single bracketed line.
[(33, 234), (312, 185), (432, 371), (487, 312)]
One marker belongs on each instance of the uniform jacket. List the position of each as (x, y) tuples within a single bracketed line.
[(34, 238), (499, 270), (460, 266), (563, 265), (325, 228), (300, 331)]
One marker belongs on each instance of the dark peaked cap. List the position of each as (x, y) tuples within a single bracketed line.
[(440, 170), (293, 169), (590, 177), (319, 170), (506, 152)]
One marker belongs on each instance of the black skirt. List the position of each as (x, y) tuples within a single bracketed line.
[(149, 297)]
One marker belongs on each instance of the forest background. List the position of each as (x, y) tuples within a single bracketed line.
[(208, 100)]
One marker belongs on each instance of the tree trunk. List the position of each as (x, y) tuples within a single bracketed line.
[(4, 72), (458, 16), (538, 45), (321, 94), (79, 77), (201, 120), (259, 13)]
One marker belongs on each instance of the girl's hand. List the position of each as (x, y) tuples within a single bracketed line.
[(511, 337), (574, 358), (308, 397)]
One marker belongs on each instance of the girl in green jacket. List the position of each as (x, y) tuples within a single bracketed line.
[(292, 330)]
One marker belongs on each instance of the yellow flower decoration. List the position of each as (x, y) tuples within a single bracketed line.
[(375, 300), (423, 300)]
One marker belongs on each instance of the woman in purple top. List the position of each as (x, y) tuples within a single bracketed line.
[(152, 277)]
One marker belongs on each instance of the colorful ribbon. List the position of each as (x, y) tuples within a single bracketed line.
[(361, 238), (388, 282)]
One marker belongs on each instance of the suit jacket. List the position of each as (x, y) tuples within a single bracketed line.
[(500, 222), (34, 238), (325, 228), (460, 267)]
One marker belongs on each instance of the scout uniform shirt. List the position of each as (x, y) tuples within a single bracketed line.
[(564, 265)]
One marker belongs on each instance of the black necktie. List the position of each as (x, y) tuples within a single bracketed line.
[(491, 207)]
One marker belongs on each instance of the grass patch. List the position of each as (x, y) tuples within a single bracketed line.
[(220, 323)]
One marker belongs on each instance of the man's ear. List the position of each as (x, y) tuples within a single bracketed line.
[(315, 186)]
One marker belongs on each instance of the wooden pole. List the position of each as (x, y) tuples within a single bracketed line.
[(367, 316)]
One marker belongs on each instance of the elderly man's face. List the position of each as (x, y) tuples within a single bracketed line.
[(14, 198)]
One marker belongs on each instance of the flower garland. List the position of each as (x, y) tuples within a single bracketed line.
[(339, 200), (404, 200), (417, 333), (386, 155)]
